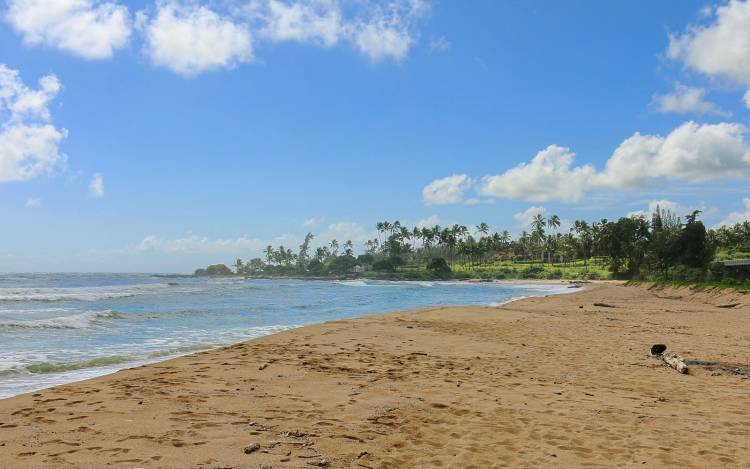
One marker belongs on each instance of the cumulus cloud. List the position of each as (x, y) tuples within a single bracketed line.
[(685, 100), (428, 222), (448, 190), (190, 38), (691, 153), (379, 30), (86, 28), (96, 186), (315, 21), (389, 30), (478, 201), (343, 231), (737, 217), (721, 48), (746, 99), (29, 143), (663, 204), (524, 218), (549, 176)]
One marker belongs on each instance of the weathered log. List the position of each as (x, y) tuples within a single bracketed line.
[(604, 305), (675, 361), (730, 305)]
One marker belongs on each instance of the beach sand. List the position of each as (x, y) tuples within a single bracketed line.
[(541, 382)]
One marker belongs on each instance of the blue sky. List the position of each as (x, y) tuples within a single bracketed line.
[(215, 128)]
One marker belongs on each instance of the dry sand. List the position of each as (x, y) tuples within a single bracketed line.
[(538, 382)]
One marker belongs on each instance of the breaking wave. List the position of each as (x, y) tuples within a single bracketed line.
[(75, 321)]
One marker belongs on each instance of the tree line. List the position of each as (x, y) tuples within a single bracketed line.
[(662, 246)]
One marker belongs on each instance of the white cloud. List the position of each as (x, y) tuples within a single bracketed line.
[(549, 176), (312, 222), (691, 153), (524, 218), (388, 31), (316, 21), (428, 222), (737, 217), (202, 244), (189, 38), (663, 204), (96, 186), (33, 202), (478, 201), (746, 99), (86, 28), (343, 231), (684, 100), (439, 44), (721, 48), (29, 144), (380, 30), (448, 190)]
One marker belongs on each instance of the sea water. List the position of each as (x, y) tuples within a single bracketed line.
[(59, 328)]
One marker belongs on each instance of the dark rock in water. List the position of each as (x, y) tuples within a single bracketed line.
[(252, 448), (172, 284), (658, 349)]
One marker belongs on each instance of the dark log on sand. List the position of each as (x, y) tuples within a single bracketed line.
[(675, 361)]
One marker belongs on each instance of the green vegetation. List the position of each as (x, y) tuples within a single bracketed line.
[(214, 270), (660, 249)]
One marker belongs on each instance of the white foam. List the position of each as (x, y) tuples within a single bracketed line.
[(74, 321)]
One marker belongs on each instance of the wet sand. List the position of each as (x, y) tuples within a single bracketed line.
[(541, 382)]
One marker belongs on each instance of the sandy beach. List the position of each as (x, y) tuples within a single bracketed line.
[(543, 382)]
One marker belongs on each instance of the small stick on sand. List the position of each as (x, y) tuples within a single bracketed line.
[(675, 361)]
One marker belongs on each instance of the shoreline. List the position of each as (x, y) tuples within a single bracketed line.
[(543, 381), (121, 362)]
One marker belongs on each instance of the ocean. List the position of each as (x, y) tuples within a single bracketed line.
[(60, 328)]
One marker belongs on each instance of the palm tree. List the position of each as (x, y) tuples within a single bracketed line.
[(537, 232), (483, 228), (554, 223)]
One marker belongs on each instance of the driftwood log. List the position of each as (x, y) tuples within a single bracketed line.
[(675, 361)]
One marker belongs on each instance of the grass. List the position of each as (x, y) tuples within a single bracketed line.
[(501, 270), (533, 270)]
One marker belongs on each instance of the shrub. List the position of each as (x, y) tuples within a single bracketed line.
[(533, 271), (216, 269), (383, 265), (439, 266), (342, 264)]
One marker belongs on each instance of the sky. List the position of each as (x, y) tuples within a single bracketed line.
[(160, 136)]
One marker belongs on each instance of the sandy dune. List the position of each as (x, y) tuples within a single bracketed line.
[(554, 382)]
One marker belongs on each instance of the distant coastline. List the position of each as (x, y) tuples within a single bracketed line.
[(662, 248)]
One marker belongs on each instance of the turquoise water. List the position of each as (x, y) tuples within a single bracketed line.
[(59, 328)]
